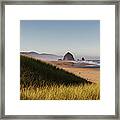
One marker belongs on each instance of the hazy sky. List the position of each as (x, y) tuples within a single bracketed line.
[(80, 37)]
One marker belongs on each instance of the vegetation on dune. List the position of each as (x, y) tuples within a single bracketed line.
[(42, 81), (62, 92), (38, 73)]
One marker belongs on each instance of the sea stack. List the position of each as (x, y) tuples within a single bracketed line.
[(68, 56), (83, 59)]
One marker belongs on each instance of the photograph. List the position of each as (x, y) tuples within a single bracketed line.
[(59, 59)]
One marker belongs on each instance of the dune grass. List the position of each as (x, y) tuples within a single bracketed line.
[(62, 92), (42, 81)]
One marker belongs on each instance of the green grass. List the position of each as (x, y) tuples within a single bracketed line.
[(38, 73), (42, 81)]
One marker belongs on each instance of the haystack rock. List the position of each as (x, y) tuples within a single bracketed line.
[(68, 56)]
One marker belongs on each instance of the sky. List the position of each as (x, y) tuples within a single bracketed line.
[(80, 37)]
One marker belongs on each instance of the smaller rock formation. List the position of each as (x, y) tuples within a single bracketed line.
[(83, 59), (60, 59)]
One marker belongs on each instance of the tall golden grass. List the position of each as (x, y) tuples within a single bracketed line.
[(61, 92)]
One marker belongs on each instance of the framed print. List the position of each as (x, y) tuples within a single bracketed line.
[(59, 59)]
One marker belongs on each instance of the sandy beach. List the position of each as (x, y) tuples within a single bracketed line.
[(90, 74)]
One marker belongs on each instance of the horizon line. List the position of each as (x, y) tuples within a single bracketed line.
[(60, 54)]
